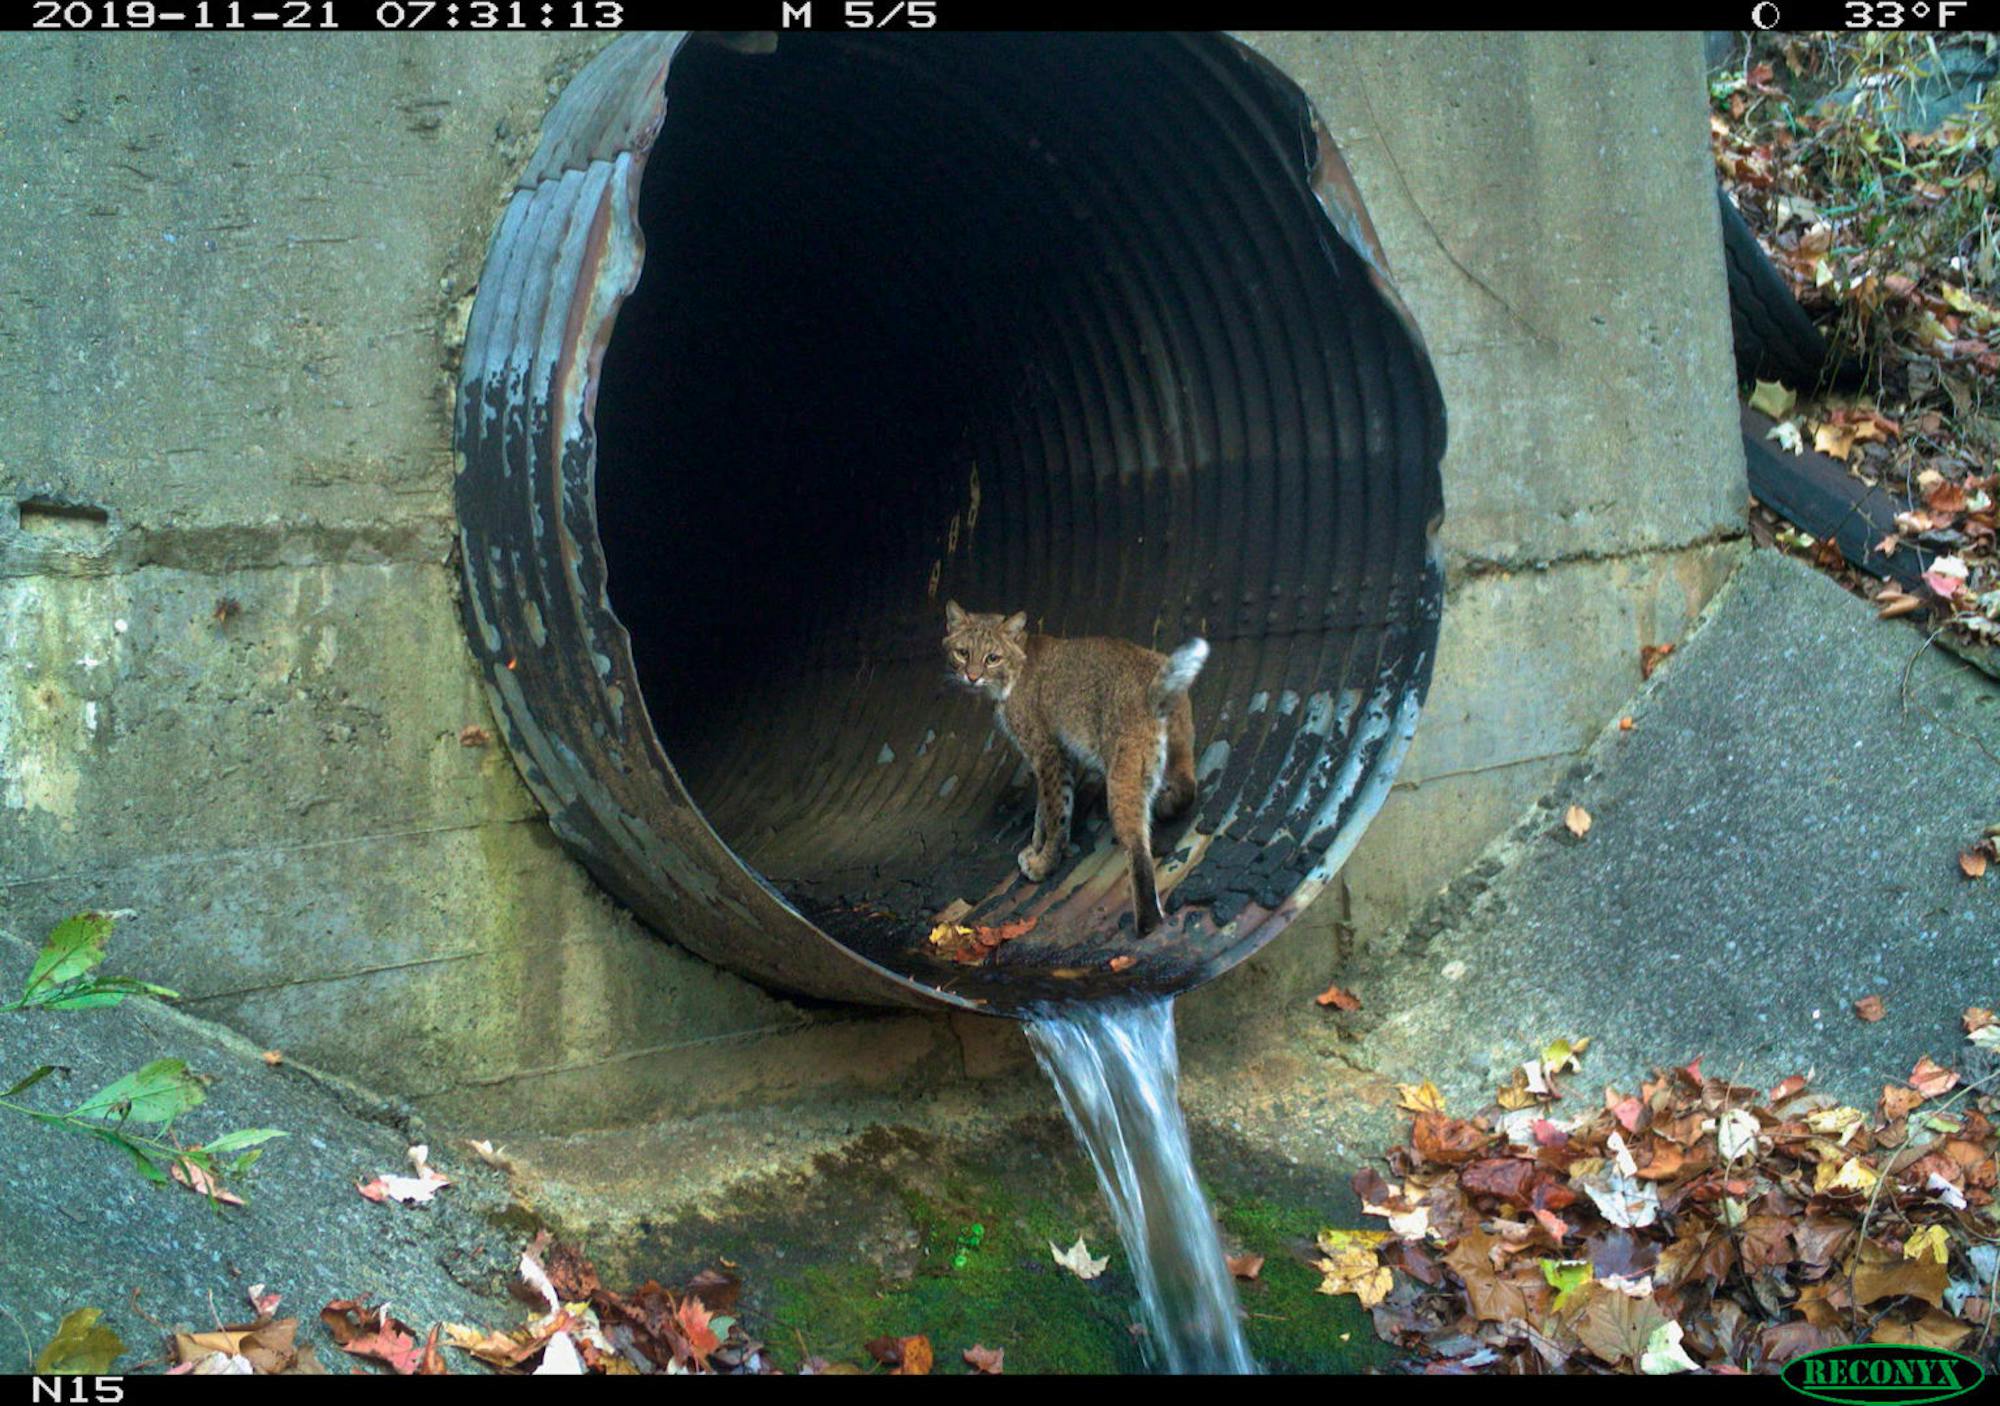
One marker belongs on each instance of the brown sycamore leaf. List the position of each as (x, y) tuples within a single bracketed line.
[(1894, 1277), (1869, 1008), (1935, 1329), (1972, 863), (1977, 1018), (1245, 1266), (1450, 1140), (1616, 1327)]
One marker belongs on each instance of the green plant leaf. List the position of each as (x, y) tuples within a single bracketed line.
[(34, 1077), (1566, 1277), (97, 991), (248, 1137), (158, 1093), (76, 945), (82, 1346)]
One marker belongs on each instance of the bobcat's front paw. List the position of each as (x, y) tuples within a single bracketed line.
[(1035, 864)]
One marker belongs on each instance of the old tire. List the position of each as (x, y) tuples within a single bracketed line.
[(1775, 339)]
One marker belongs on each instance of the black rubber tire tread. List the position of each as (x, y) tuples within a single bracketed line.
[(1775, 339)]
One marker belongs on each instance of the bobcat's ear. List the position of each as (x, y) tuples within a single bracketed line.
[(1017, 622), (953, 616)]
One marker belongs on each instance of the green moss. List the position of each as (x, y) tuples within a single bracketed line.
[(1002, 1291), (1005, 1290), (1291, 1325)]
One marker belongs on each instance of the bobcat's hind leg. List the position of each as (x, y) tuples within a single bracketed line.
[(1128, 787), (1177, 786)]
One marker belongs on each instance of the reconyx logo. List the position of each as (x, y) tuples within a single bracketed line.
[(1876, 1373)]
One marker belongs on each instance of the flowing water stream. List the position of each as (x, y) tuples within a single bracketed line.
[(1116, 1068)]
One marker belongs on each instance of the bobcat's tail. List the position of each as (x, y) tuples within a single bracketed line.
[(1177, 675)]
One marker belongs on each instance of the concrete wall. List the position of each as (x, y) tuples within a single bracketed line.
[(226, 319)]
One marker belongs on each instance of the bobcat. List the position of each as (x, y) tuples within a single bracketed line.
[(1105, 705)]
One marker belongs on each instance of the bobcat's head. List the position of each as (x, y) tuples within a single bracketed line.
[(986, 652)]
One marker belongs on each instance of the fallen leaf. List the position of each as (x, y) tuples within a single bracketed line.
[(1931, 1079), (195, 1179), (1653, 655), (1923, 1279), (1927, 1243), (1834, 441), (1122, 962), (985, 1361), (1946, 576), (1773, 399), (81, 1347), (1450, 1140), (1619, 1328), (1352, 1265), (1577, 819), (431, 1363), (411, 1191), (559, 1358), (1869, 1008), (1664, 1354), (1245, 1266), (1335, 996), (904, 1357), (694, 1319), (1419, 1098), (391, 1344), (1736, 1134), (492, 1156), (1972, 863), (274, 1058), (473, 735), (1076, 1259)]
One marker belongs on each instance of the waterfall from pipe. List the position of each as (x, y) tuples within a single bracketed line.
[(1116, 1068)]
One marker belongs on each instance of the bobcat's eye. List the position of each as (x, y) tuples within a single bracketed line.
[(993, 659)]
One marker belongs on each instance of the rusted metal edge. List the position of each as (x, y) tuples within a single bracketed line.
[(558, 663)]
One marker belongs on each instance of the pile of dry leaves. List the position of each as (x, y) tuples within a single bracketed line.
[(1888, 237), (579, 1326), (1696, 1224)]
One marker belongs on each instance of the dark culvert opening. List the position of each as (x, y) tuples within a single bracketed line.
[(1055, 323)]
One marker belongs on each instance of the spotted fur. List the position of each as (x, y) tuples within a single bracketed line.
[(1087, 705)]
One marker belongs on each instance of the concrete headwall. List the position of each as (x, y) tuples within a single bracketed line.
[(232, 680)]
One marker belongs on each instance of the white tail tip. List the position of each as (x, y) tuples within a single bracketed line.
[(1182, 666)]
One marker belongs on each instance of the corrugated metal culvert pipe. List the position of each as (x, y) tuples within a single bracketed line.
[(1091, 326)]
